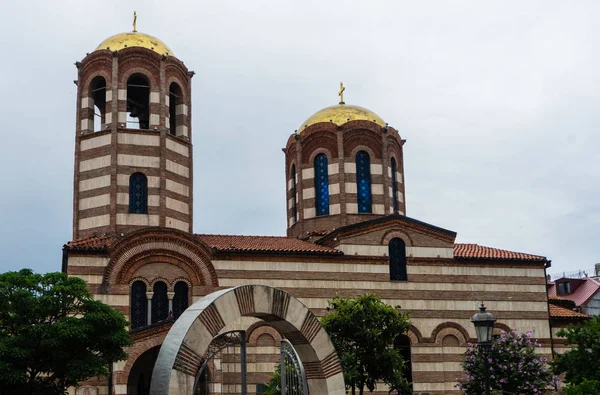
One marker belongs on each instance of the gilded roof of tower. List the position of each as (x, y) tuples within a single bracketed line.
[(135, 39), (340, 114)]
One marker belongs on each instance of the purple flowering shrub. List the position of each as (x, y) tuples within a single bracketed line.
[(513, 365)]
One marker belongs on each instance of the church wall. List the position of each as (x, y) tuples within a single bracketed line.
[(441, 295)]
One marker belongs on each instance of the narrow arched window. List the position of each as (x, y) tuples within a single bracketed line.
[(363, 182), (321, 185), (394, 185), (180, 300), (160, 302), (138, 102), (175, 113), (97, 104), (397, 253), (139, 305), (402, 344), (294, 192), (138, 193)]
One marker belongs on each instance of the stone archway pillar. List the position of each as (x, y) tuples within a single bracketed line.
[(186, 343)]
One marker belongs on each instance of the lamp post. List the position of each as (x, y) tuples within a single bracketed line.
[(484, 328)]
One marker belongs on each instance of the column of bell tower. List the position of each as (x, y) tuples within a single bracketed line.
[(133, 143)]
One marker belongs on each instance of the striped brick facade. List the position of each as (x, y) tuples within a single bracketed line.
[(281, 285), (442, 292), (107, 157), (340, 144)]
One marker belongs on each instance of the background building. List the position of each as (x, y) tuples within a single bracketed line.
[(348, 229)]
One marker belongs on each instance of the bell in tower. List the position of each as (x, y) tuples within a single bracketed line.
[(133, 155)]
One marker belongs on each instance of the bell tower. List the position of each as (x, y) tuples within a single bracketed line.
[(133, 142), (344, 165)]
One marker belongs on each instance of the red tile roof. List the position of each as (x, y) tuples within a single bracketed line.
[(561, 312), (100, 242), (582, 294), (475, 251), (282, 244), (277, 244)]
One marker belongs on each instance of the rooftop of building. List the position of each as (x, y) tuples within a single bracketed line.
[(284, 244), (582, 289)]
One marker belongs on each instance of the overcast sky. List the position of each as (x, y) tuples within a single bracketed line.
[(498, 102)]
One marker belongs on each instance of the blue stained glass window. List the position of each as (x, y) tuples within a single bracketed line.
[(294, 203), (363, 182), (321, 185), (394, 186), (138, 194)]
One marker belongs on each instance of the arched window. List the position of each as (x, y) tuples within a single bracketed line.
[(402, 344), (363, 182), (138, 102), (139, 305), (138, 194), (98, 106), (321, 185), (394, 186), (180, 300), (175, 99), (160, 302), (294, 191), (397, 252)]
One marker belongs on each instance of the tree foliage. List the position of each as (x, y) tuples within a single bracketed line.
[(581, 364), (363, 331), (54, 334), (512, 364)]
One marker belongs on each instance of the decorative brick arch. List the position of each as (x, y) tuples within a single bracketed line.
[(450, 328), (260, 328), (188, 340), (498, 327), (414, 335), (395, 233), (135, 352), (160, 245)]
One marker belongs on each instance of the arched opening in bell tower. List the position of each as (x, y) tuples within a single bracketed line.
[(98, 96), (175, 99), (138, 102)]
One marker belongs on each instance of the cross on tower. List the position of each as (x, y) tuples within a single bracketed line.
[(341, 93)]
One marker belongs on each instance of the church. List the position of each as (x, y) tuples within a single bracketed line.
[(348, 229)]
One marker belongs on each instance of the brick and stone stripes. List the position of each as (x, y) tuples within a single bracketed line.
[(245, 299), (331, 365), (310, 327), (187, 360), (212, 320), (313, 370), (281, 301)]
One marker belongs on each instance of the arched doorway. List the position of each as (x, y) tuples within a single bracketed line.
[(140, 374), (188, 339)]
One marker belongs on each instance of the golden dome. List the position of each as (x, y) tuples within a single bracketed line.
[(340, 114), (135, 39)]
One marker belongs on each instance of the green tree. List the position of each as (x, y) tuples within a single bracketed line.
[(581, 364), (363, 331), (54, 334)]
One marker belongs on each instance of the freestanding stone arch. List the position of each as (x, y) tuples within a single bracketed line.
[(188, 339)]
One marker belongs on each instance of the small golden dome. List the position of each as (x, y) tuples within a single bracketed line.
[(340, 114), (135, 39)]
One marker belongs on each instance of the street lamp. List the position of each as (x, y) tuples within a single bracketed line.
[(484, 328)]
